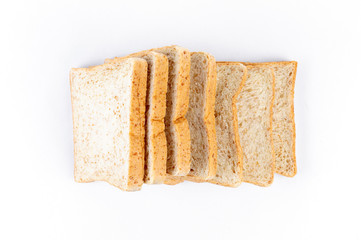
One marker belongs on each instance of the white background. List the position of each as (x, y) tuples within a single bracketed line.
[(41, 40)]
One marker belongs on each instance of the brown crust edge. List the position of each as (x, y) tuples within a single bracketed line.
[(209, 117), (158, 138), (136, 141)]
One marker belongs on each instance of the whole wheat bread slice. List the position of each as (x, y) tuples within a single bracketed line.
[(108, 103), (283, 121), (230, 79), (200, 116), (177, 128), (254, 111), (155, 139), (201, 119)]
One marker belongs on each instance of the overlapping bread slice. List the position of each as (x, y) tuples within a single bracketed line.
[(177, 100), (230, 79), (254, 112), (176, 124), (201, 119), (283, 121), (108, 103), (200, 116), (155, 139)]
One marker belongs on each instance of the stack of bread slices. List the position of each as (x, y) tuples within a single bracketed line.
[(167, 115)]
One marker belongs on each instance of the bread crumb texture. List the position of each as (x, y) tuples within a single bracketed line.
[(283, 125), (201, 117), (254, 106), (230, 77)]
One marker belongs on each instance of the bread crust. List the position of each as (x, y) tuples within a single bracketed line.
[(291, 114), (136, 153), (209, 118)]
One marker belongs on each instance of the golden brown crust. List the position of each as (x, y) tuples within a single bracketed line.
[(137, 129), (158, 138), (209, 117)]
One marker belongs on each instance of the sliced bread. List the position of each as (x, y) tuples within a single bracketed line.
[(230, 79), (200, 116), (177, 128), (155, 139), (254, 112), (177, 101), (201, 119), (108, 103)]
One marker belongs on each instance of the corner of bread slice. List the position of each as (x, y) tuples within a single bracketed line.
[(173, 180)]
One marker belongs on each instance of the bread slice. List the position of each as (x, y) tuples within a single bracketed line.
[(155, 140), (108, 103), (254, 112), (200, 116), (230, 79)]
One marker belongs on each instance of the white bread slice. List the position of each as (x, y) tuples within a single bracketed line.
[(230, 79), (108, 103), (254, 105), (155, 139)]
